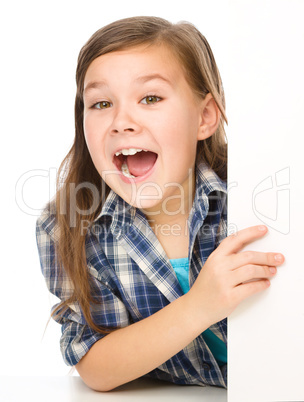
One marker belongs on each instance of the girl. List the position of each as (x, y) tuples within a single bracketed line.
[(133, 244)]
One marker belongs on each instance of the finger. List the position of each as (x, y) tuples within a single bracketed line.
[(248, 289), (252, 272), (255, 257), (237, 241)]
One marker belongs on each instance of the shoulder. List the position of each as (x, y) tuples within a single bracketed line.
[(208, 181), (46, 224)]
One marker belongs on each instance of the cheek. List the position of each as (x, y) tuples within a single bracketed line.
[(90, 133), (181, 130), (90, 144), (86, 129), (167, 125)]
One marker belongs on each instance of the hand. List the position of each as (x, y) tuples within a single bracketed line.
[(224, 279)]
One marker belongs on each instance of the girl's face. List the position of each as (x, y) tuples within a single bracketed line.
[(138, 99)]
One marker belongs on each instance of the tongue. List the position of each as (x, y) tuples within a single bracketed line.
[(141, 163)]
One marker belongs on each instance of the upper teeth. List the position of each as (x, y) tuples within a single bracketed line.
[(130, 151)]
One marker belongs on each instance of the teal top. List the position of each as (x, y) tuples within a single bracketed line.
[(215, 344)]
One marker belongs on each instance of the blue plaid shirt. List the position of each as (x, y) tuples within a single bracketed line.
[(134, 278)]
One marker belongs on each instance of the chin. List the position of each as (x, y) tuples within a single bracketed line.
[(145, 205), (144, 196)]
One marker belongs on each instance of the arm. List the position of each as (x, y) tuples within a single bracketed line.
[(131, 352)]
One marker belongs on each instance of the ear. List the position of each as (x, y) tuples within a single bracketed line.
[(210, 118)]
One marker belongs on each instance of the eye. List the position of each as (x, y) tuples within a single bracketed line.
[(150, 99), (102, 105)]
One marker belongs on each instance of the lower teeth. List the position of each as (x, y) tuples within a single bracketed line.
[(125, 170)]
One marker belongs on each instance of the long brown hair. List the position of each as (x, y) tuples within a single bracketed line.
[(197, 60)]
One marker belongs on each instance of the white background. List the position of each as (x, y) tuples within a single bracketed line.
[(255, 44), (266, 103)]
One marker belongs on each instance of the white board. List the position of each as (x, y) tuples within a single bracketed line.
[(265, 97)]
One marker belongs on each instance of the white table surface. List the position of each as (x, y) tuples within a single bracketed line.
[(72, 389)]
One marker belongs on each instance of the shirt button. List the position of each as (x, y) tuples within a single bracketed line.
[(206, 366)]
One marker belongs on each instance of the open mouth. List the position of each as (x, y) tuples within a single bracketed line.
[(134, 162)]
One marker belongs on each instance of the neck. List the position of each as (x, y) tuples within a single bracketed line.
[(176, 206), (169, 220)]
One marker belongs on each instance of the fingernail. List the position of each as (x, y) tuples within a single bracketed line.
[(272, 270), (278, 257), (262, 228)]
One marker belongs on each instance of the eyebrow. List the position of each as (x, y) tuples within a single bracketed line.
[(149, 77), (142, 79), (93, 85)]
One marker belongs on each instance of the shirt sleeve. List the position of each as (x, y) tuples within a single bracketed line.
[(222, 227), (76, 335)]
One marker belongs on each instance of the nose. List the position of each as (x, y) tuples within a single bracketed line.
[(124, 121)]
